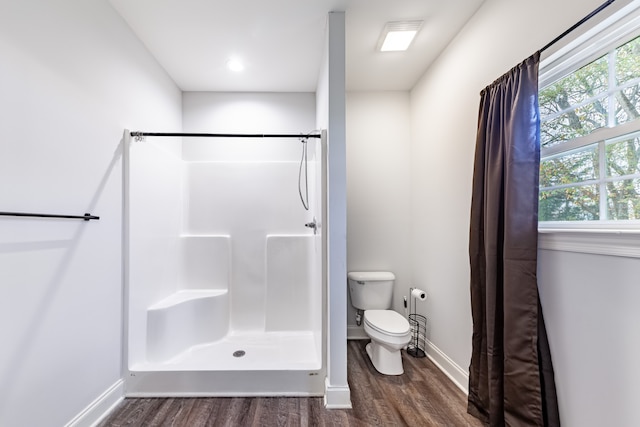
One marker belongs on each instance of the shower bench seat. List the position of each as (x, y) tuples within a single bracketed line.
[(184, 319), (186, 295)]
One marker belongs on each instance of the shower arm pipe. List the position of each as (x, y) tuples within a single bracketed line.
[(225, 135), (85, 217)]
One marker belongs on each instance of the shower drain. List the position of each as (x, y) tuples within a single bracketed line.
[(239, 353)]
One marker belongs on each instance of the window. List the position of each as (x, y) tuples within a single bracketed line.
[(590, 139)]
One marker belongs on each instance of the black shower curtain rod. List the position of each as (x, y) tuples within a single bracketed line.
[(577, 24), (226, 135)]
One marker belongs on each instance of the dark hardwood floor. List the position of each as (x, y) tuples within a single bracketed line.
[(423, 396)]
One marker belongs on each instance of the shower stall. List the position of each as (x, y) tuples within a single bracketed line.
[(224, 255)]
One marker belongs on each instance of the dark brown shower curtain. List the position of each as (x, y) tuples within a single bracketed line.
[(510, 377)]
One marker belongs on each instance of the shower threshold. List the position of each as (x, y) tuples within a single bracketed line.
[(245, 351)]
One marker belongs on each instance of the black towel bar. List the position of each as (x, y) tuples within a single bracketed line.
[(85, 217)]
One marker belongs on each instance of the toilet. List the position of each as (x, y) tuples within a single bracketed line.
[(371, 292)]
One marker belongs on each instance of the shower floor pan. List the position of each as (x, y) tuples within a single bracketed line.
[(246, 351), (273, 364)]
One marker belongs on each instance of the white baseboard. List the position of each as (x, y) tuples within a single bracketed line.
[(356, 333), (336, 397), (99, 408), (459, 376)]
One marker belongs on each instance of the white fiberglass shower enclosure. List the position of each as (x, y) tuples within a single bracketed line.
[(224, 270)]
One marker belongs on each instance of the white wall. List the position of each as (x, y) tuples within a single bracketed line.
[(72, 77), (249, 112), (379, 190), (591, 310), (444, 117)]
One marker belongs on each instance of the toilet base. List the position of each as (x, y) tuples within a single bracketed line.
[(387, 362)]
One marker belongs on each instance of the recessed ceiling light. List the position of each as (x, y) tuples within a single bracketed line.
[(397, 36), (234, 64)]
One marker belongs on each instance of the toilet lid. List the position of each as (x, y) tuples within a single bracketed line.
[(387, 322)]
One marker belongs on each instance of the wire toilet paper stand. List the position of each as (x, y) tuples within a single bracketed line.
[(418, 324)]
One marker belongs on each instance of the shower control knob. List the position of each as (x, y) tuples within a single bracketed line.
[(313, 225)]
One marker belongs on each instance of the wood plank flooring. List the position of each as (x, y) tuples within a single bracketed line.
[(423, 396)]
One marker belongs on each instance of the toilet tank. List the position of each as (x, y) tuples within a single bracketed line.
[(371, 290)]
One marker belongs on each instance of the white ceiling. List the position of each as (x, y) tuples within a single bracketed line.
[(281, 41)]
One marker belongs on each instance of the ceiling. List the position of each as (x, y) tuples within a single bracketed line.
[(281, 41)]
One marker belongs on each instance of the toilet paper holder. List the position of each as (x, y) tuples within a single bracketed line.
[(418, 326)]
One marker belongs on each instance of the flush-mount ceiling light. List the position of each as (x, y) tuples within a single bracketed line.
[(234, 64), (397, 36)]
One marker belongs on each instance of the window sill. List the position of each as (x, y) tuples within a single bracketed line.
[(620, 242)]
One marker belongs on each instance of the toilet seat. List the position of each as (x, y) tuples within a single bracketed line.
[(387, 322)]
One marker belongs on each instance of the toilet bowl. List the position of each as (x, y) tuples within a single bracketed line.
[(389, 333)]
